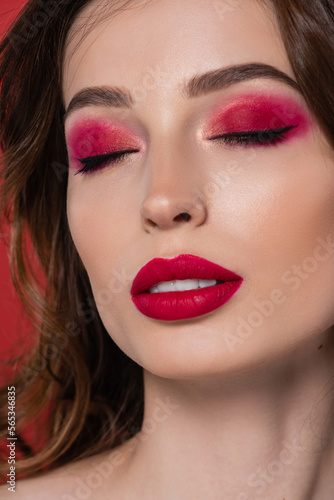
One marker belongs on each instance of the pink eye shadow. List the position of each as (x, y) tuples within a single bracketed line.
[(92, 137), (256, 112)]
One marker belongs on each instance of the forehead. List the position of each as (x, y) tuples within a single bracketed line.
[(172, 40)]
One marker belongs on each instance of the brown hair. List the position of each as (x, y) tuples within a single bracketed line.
[(95, 390)]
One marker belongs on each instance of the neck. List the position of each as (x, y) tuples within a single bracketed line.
[(264, 433)]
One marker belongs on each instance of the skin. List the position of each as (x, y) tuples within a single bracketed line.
[(246, 411)]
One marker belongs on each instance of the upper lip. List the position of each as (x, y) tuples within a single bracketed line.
[(179, 268)]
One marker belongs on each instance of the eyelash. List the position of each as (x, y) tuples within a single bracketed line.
[(259, 137), (94, 163)]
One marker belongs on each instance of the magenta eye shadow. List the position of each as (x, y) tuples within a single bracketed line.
[(257, 112), (93, 137)]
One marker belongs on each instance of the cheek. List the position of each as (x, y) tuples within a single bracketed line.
[(86, 225), (96, 227), (287, 220), (303, 212), (96, 220)]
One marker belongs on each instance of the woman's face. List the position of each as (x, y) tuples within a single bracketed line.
[(263, 210)]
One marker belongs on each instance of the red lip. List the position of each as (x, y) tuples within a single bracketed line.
[(170, 306)]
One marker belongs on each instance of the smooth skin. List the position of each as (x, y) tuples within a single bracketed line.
[(230, 414)]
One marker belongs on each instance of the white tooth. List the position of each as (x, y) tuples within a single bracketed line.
[(182, 285), (205, 283), (166, 286)]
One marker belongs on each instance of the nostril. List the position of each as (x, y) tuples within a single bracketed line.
[(183, 216)]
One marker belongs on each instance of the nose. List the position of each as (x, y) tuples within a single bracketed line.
[(173, 194)]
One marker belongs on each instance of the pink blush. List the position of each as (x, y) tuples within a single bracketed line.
[(257, 112), (92, 137)]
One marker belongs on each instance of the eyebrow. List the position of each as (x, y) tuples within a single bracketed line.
[(198, 85)]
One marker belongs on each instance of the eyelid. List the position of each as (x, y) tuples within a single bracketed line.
[(255, 111), (255, 133), (97, 162), (264, 138), (92, 136), (107, 155)]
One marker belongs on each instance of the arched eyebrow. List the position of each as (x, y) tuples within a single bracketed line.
[(198, 85)]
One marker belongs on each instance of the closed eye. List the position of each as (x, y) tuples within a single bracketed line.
[(93, 163), (265, 137)]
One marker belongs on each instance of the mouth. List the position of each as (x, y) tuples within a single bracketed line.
[(183, 287)]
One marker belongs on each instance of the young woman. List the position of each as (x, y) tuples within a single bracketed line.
[(173, 165)]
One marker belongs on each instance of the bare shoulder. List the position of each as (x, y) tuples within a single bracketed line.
[(93, 477)]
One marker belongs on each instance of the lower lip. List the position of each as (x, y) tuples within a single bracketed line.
[(173, 306)]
